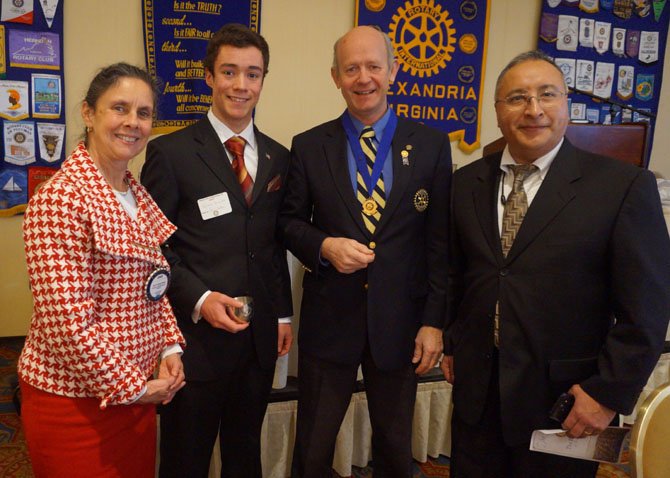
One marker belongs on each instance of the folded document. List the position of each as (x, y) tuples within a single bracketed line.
[(610, 446)]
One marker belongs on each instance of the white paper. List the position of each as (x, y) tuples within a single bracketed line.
[(214, 206), (604, 447)]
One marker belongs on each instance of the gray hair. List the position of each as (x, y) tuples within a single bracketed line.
[(390, 52), (533, 55)]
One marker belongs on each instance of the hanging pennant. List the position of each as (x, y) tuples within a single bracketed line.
[(632, 43), (642, 7), (548, 27), (17, 11), (567, 35), (644, 88), (589, 6), (625, 79), (14, 100), (601, 40), (603, 80), (584, 76), (623, 8), (659, 5), (619, 41), (49, 9), (648, 47), (50, 138), (586, 29), (19, 142), (567, 66)]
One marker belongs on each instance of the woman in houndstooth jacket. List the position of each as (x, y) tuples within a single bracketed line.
[(100, 318)]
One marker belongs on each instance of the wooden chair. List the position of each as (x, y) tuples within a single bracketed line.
[(649, 452), (627, 142)]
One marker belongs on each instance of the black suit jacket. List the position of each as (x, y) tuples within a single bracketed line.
[(405, 286), (236, 253), (592, 248)]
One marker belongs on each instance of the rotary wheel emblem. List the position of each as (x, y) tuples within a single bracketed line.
[(423, 37)]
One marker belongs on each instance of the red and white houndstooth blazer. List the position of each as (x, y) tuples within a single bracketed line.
[(94, 332)]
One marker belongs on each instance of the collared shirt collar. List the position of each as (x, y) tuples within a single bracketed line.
[(542, 163), (378, 126), (225, 133)]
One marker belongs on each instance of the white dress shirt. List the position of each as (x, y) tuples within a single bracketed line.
[(531, 184), (251, 163)]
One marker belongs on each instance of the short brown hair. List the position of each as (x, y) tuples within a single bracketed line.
[(238, 36)]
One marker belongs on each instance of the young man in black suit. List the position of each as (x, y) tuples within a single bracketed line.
[(366, 213), (575, 299), (220, 181)]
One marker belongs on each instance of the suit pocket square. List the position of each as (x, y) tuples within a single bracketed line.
[(274, 184)]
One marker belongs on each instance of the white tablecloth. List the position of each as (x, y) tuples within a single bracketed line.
[(430, 437), (431, 434)]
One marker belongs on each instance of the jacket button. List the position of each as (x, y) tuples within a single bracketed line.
[(372, 245), (365, 286), (251, 255), (488, 356), (504, 272)]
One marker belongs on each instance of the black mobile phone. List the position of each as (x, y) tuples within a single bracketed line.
[(560, 410)]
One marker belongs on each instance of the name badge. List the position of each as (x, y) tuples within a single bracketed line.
[(157, 284), (214, 206)]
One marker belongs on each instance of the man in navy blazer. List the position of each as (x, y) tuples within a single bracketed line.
[(580, 302), (225, 247), (370, 297)]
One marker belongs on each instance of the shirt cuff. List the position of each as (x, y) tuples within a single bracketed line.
[(139, 395), (284, 320), (171, 349), (195, 315)]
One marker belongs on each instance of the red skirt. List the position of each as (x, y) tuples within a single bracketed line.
[(72, 437)]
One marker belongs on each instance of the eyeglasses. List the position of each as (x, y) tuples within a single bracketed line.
[(546, 99)]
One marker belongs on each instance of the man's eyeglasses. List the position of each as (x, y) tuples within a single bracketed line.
[(546, 99)]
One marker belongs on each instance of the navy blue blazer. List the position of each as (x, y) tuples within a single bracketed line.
[(405, 286)]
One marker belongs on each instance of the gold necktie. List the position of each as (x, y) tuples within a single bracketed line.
[(516, 206)]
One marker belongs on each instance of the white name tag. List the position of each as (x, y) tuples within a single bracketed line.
[(214, 206)]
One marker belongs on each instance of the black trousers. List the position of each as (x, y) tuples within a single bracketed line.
[(325, 391), (233, 406), (479, 451)]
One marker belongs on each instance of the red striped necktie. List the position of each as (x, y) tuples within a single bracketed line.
[(236, 146)]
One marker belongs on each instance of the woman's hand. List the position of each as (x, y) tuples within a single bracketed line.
[(170, 380)]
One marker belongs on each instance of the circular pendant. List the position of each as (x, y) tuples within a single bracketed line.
[(157, 284), (369, 207)]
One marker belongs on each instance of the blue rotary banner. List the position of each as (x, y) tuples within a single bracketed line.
[(176, 33), (441, 48)]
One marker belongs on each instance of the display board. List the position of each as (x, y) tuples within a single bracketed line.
[(31, 98)]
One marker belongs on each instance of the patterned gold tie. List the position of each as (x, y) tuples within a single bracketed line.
[(236, 146), (372, 204), (516, 206)]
